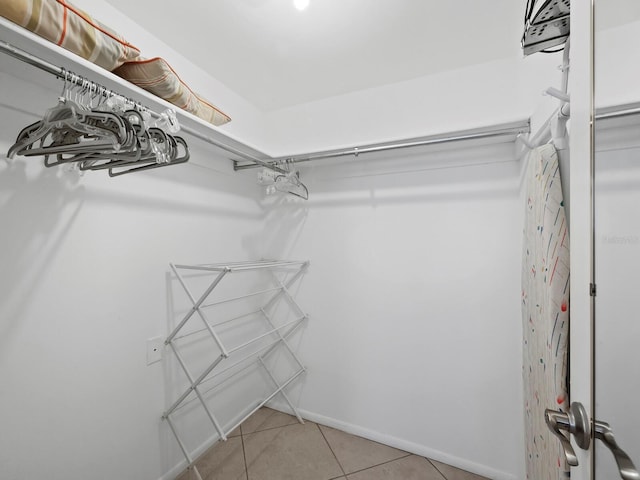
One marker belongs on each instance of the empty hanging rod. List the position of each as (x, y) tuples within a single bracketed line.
[(625, 110), (495, 131), (64, 74)]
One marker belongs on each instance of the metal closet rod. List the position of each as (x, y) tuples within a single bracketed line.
[(617, 111), (486, 132), (494, 131), (65, 74)]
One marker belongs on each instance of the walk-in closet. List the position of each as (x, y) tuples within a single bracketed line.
[(319, 240)]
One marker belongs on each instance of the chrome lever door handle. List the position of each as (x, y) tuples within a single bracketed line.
[(628, 471), (557, 421), (576, 423)]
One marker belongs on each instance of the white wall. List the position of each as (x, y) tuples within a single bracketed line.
[(84, 285), (479, 95), (413, 293), (414, 284)]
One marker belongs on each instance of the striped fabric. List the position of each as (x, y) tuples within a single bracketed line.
[(545, 313), (71, 28), (157, 76)]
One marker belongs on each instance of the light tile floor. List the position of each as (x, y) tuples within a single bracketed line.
[(271, 445)]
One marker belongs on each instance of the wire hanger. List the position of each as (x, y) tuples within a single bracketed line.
[(284, 181)]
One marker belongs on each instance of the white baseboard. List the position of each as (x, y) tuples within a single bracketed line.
[(398, 443)]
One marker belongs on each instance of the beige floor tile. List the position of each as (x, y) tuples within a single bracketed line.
[(236, 433), (266, 418), (407, 468), (356, 453), (294, 452), (453, 473), (223, 461)]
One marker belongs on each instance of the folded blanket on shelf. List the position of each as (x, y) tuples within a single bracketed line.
[(71, 28)]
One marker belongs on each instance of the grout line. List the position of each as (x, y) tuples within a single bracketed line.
[(384, 463), (334, 453), (437, 469), (244, 454), (273, 428)]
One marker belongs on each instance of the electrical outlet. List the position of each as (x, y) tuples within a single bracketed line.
[(155, 346)]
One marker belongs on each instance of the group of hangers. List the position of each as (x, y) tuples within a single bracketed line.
[(95, 130)]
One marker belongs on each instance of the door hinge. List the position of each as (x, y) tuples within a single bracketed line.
[(592, 289)]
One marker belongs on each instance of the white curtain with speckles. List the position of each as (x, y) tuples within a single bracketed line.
[(545, 312)]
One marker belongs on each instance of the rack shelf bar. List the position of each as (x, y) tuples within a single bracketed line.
[(266, 400), (270, 332), (267, 349), (195, 332), (227, 300), (239, 266)]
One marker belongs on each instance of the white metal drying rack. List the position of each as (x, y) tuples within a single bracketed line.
[(266, 342)]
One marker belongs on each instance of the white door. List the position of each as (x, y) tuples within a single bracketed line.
[(617, 233), (617, 273), (605, 243)]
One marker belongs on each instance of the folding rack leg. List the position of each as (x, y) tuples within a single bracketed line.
[(183, 448), (283, 340), (282, 291), (196, 389), (286, 286), (281, 390), (196, 308)]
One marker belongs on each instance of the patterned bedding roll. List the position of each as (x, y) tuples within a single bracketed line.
[(71, 28)]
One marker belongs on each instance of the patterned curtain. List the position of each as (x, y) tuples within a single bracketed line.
[(545, 312)]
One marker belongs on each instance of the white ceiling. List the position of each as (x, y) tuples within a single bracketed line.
[(276, 56)]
